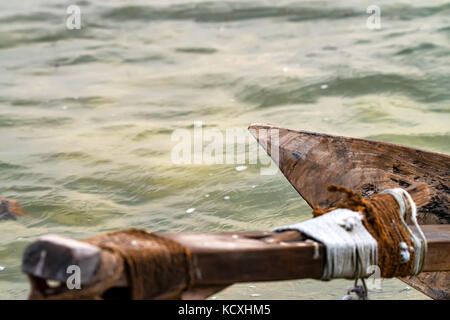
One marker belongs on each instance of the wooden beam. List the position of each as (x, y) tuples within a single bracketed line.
[(224, 258), (221, 259), (438, 255), (232, 257)]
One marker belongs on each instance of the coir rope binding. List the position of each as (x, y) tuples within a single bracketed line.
[(384, 217)]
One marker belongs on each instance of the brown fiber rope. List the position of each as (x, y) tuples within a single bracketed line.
[(382, 220), (155, 267)]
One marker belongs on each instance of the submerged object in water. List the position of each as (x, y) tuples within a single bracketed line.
[(9, 209)]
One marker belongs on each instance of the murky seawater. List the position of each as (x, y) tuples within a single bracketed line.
[(86, 115)]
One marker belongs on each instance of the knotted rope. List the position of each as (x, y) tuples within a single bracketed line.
[(383, 217), (403, 198)]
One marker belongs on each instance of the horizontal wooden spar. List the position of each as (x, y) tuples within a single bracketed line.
[(219, 259), (264, 256), (260, 256)]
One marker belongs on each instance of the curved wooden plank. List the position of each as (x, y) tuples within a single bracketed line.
[(312, 161)]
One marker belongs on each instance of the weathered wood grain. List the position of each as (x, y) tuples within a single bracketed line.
[(311, 161)]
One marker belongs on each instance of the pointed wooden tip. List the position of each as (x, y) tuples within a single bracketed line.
[(268, 136), (256, 129), (312, 161)]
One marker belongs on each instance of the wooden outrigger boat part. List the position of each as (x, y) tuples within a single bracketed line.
[(9, 209), (140, 265), (221, 259), (312, 161), (199, 265)]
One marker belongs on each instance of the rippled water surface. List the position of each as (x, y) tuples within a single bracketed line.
[(86, 115)]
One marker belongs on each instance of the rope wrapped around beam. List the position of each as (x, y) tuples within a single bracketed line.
[(154, 266), (349, 230), (350, 248)]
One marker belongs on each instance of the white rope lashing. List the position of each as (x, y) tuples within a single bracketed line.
[(420, 242), (349, 248)]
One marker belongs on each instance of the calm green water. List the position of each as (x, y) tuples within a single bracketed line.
[(86, 115)]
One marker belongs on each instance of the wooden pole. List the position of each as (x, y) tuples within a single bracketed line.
[(220, 259)]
